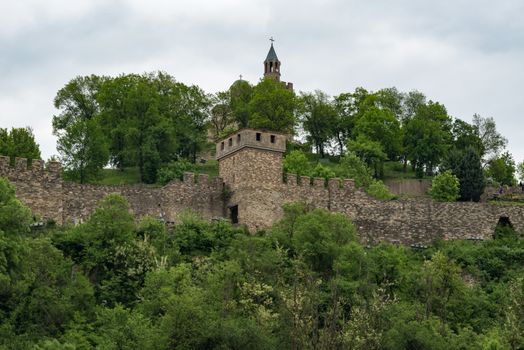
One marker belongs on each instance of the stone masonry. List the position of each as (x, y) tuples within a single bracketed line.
[(250, 162), (64, 202), (251, 191)]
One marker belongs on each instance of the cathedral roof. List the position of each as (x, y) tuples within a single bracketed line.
[(271, 55)]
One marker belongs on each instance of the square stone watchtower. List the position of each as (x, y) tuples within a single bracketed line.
[(250, 163)]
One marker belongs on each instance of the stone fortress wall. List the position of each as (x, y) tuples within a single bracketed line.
[(252, 170), (49, 197), (251, 192)]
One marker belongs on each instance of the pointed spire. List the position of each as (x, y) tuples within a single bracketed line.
[(272, 64), (271, 55)]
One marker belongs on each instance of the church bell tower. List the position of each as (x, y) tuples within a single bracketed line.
[(272, 64)]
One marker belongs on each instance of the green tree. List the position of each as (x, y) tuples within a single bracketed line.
[(411, 102), (272, 107), (318, 237), (318, 117), (19, 142), (380, 125), (222, 117), (151, 119), (123, 329), (296, 162), (14, 216), (466, 135), (241, 93), (345, 107), (441, 282), (427, 137), (131, 116), (82, 145), (466, 166), (520, 170), (502, 169), (492, 141), (110, 253), (390, 99), (39, 290), (352, 167), (445, 187), (371, 152)]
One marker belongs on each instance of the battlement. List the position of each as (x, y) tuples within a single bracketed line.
[(333, 184), (196, 180), (27, 166), (258, 139)]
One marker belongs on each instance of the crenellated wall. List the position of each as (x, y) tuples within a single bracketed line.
[(66, 202), (39, 188), (255, 186), (198, 193), (406, 221)]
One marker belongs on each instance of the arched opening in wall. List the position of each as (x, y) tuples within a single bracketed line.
[(233, 214), (504, 228)]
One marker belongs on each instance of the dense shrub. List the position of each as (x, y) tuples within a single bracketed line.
[(445, 187), (174, 170), (379, 190)]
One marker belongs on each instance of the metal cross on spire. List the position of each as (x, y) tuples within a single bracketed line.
[(240, 76), (271, 39)]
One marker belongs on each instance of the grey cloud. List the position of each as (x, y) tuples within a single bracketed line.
[(465, 54)]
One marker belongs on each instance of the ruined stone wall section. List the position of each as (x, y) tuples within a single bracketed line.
[(38, 188)]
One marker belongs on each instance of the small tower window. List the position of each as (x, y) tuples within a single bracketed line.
[(259, 136), (238, 138), (230, 142), (222, 146), (272, 138)]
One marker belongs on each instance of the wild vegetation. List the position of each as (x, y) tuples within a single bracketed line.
[(307, 283)]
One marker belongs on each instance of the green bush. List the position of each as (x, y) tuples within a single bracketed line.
[(379, 190), (445, 187), (322, 171), (174, 170), (352, 167), (296, 162)]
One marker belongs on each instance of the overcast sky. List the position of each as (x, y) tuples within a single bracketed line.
[(468, 55)]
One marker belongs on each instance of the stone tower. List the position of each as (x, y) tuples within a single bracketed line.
[(272, 64), (250, 163)]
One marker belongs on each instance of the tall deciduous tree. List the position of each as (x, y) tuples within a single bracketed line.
[(319, 118), (222, 117), (427, 137), (346, 106), (241, 92), (502, 169), (492, 141), (82, 145), (272, 107), (380, 125), (371, 152), (466, 135), (152, 119)]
